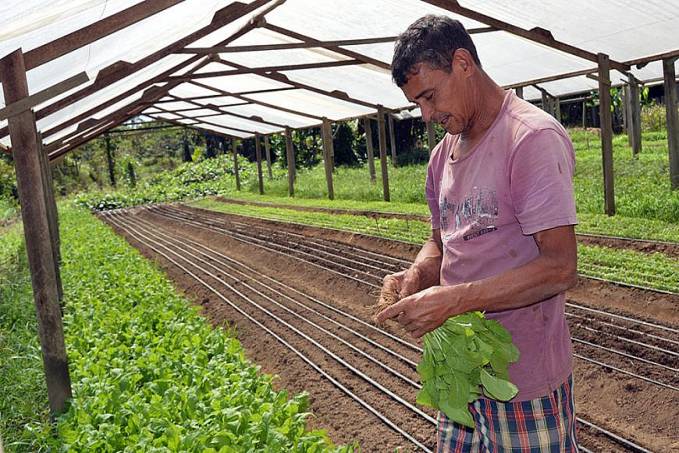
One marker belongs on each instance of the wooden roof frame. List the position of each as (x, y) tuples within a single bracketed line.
[(226, 15)]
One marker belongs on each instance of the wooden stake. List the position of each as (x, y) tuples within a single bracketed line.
[(672, 115), (258, 155), (383, 153), (31, 190), (392, 140), (52, 216), (634, 119), (606, 124), (369, 148), (290, 154), (326, 132), (235, 145), (431, 136), (267, 150)]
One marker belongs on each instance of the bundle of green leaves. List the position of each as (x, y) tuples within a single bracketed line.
[(465, 358)]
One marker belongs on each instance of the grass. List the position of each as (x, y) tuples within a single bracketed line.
[(24, 412), (654, 271), (148, 373), (646, 207)]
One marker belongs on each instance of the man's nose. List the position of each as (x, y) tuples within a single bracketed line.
[(427, 113)]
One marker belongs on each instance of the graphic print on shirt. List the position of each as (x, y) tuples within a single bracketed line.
[(472, 217)]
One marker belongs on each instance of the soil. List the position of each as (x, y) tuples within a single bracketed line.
[(637, 410)]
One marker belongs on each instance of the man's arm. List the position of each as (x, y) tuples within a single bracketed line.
[(552, 272)]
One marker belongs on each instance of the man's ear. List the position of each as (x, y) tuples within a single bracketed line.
[(463, 59)]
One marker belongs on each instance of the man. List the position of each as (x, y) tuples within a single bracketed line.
[(499, 188)]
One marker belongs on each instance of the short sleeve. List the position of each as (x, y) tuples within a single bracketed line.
[(432, 198), (541, 181)]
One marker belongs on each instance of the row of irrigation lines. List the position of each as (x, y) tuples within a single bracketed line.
[(190, 218), (132, 228), (207, 219), (409, 236)]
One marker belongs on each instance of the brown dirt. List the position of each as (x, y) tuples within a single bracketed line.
[(640, 411), (666, 248)]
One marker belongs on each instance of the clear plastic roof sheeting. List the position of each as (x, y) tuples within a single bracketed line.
[(262, 91)]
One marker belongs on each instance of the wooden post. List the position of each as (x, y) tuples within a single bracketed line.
[(431, 136), (326, 133), (606, 124), (392, 140), (625, 98), (369, 148), (556, 103), (109, 159), (290, 154), (258, 156), (584, 114), (545, 102), (519, 92), (267, 151), (383, 153), (52, 216), (37, 234), (672, 119), (236, 172), (634, 118)]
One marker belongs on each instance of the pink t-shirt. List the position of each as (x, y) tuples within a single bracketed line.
[(516, 182)]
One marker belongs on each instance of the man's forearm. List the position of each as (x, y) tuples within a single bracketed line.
[(428, 263)]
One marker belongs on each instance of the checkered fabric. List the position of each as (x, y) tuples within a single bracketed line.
[(542, 425)]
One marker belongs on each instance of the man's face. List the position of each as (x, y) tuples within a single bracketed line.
[(440, 96)]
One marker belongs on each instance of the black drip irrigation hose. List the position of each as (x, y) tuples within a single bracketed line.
[(618, 439)]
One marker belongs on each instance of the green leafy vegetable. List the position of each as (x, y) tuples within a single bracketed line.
[(468, 354)]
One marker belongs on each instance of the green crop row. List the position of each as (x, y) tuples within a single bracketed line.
[(23, 400), (656, 271), (149, 373)]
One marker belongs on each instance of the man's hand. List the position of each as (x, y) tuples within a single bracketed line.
[(424, 311)]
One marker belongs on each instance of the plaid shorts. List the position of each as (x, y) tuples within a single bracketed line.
[(541, 425)]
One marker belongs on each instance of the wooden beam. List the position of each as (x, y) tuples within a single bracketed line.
[(326, 133), (255, 101), (311, 41), (606, 133), (261, 70), (236, 144), (641, 62), (121, 69), (383, 153), (25, 149), (672, 116), (93, 32), (258, 156), (369, 148), (538, 35), (43, 96), (267, 151), (431, 136), (290, 154), (277, 76), (565, 75), (392, 141), (282, 46)]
